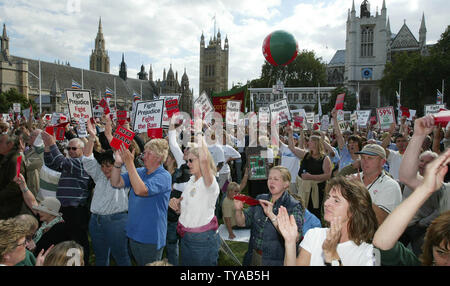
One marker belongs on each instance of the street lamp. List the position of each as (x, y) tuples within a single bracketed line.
[(39, 78)]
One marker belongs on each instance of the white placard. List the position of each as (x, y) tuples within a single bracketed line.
[(340, 115), (203, 105), (264, 114), (98, 111), (148, 115), (80, 105), (363, 117), (316, 118), (233, 111), (432, 108), (324, 123), (310, 117), (282, 107), (81, 128), (165, 97), (16, 107), (55, 118), (386, 117)]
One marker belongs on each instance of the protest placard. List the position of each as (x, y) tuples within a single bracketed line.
[(105, 106), (148, 115), (433, 108), (169, 98), (386, 117), (16, 107), (171, 107), (363, 117), (324, 123), (233, 112), (257, 163), (298, 121), (80, 105), (121, 116), (98, 111), (282, 108), (264, 114), (18, 163), (340, 102), (203, 106), (122, 136)]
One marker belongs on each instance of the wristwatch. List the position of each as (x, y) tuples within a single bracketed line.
[(334, 262)]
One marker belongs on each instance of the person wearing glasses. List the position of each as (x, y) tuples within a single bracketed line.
[(197, 225), (73, 190), (12, 242)]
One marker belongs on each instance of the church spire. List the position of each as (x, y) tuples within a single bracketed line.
[(5, 42), (123, 68), (423, 32)]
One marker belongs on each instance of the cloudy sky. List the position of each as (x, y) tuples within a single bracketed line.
[(164, 32)]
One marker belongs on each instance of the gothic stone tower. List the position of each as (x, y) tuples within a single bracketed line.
[(367, 42), (213, 65), (99, 59)]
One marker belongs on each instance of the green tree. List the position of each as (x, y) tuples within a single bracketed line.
[(306, 70), (12, 96)]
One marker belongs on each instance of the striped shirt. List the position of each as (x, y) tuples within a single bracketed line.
[(73, 183)]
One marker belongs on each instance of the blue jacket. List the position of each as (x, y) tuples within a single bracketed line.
[(264, 236)]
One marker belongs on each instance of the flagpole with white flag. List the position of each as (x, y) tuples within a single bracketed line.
[(358, 106)]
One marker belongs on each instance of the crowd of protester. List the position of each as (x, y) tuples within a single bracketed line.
[(357, 196)]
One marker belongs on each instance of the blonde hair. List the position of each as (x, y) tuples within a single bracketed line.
[(232, 186), (10, 233), (159, 146), (212, 165), (29, 222), (320, 147), (66, 253), (285, 174)]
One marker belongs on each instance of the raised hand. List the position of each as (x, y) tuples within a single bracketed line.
[(329, 246), (48, 139), (41, 256), (287, 225), (424, 125)]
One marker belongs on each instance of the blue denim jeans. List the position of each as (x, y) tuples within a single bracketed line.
[(109, 237), (145, 252), (172, 244), (200, 249)]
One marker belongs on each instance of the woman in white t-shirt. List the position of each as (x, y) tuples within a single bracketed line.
[(197, 224), (348, 210)]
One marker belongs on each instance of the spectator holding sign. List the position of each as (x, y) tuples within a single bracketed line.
[(72, 191), (150, 190), (109, 207), (348, 151)]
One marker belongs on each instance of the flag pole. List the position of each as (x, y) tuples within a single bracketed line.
[(82, 80), (115, 94), (40, 86)]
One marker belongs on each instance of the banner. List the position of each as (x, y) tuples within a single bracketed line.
[(80, 105), (148, 115), (282, 108), (219, 100), (386, 117), (203, 104), (233, 111)]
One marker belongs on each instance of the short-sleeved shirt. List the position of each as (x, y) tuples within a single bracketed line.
[(228, 210), (346, 158), (385, 192), (350, 253), (198, 203), (394, 160), (147, 216)]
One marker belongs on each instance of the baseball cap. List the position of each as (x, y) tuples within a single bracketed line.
[(373, 150), (295, 135)]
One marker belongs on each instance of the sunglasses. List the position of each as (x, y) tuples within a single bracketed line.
[(72, 148), (191, 160)]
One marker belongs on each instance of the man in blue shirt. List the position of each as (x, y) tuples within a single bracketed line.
[(149, 199)]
